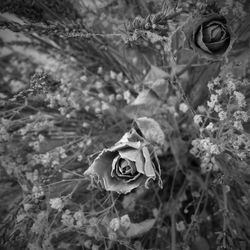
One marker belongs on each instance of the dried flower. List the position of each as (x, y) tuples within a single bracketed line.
[(126, 165), (209, 35)]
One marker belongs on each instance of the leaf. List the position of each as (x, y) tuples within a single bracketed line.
[(151, 130), (148, 101), (155, 73), (146, 104), (137, 229), (129, 201), (156, 80), (160, 87)]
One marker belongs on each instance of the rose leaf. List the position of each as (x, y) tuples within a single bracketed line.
[(137, 229), (151, 130), (146, 103)]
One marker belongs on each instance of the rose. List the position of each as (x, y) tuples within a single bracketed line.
[(126, 165), (209, 35)]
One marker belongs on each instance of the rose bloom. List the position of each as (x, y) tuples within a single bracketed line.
[(126, 165), (210, 36)]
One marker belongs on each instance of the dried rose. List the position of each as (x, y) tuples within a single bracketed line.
[(209, 35), (126, 165)]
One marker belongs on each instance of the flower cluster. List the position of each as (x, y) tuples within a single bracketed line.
[(49, 159), (222, 127)]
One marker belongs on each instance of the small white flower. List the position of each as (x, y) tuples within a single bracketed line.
[(87, 244), (213, 101), (84, 78), (79, 158), (240, 98), (222, 115), (80, 218), (210, 86), (180, 226), (41, 138), (67, 219), (118, 97), (100, 70), (201, 109), (242, 155), (127, 96), (183, 107), (112, 74), (98, 84), (210, 126), (112, 236), (85, 125), (214, 149), (56, 203), (197, 119), (125, 221), (238, 125), (119, 77), (231, 85), (217, 108), (115, 224)]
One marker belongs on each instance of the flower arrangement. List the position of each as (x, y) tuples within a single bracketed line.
[(124, 129)]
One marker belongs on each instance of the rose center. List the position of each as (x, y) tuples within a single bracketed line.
[(213, 33), (127, 167)]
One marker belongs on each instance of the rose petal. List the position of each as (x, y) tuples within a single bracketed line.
[(199, 41), (121, 145), (134, 155), (135, 177), (114, 162), (219, 47), (122, 186), (148, 167)]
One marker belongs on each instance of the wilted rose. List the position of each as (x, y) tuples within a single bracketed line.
[(210, 35), (126, 165)]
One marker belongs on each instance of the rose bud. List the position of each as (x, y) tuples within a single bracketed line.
[(126, 165), (209, 36)]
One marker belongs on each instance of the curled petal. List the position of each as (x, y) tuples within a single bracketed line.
[(122, 145), (114, 163), (219, 46), (131, 136), (122, 186), (148, 166), (199, 41)]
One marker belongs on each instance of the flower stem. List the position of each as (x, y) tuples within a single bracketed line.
[(173, 231)]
